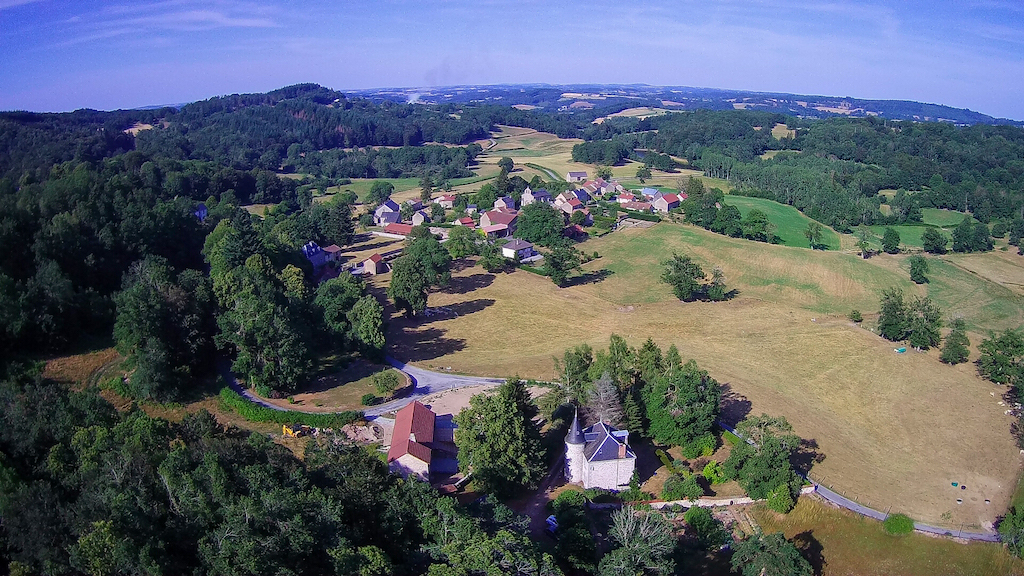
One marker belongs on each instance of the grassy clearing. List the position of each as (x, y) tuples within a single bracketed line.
[(791, 223), (780, 131), (853, 544), (910, 236), (361, 186), (943, 218), (77, 369), (895, 429)]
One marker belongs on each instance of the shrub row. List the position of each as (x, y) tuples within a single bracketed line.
[(643, 216), (255, 413), (537, 271)]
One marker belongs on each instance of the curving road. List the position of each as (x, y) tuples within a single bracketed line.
[(424, 382)]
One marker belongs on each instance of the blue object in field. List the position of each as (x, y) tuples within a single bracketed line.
[(899, 350), (954, 484)]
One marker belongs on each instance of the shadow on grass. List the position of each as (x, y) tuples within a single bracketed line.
[(589, 278), (734, 406), (373, 246), (811, 549), (454, 310), (339, 374), (806, 456), (425, 344), (467, 284)]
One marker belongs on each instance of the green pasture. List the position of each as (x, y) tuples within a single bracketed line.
[(790, 222)]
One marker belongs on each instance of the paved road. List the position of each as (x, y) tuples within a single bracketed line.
[(425, 383)]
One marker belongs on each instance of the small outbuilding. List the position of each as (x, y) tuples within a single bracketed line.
[(375, 265)]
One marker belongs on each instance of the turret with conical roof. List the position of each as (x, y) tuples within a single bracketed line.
[(575, 459), (575, 434)]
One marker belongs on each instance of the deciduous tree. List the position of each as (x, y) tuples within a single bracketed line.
[(499, 442), (769, 555)]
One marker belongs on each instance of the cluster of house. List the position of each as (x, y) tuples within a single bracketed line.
[(650, 200), (423, 446)]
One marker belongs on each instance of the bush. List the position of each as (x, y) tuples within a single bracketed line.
[(681, 488), (231, 400), (703, 446), (713, 472), (898, 524), (368, 399), (385, 382), (711, 533), (781, 500), (855, 315)]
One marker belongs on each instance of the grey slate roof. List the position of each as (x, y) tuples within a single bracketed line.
[(603, 443), (575, 435)]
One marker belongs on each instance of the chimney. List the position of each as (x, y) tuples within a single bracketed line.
[(622, 450)]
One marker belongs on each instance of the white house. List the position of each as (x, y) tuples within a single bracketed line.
[(575, 176), (599, 457), (419, 217), (505, 202), (666, 202), (529, 197), (380, 215), (517, 247)]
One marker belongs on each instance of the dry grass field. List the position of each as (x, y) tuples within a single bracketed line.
[(840, 542), (895, 430)]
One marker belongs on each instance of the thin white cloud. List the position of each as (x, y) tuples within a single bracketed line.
[(5, 4)]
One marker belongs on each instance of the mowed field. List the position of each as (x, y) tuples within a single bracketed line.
[(850, 544), (895, 430)]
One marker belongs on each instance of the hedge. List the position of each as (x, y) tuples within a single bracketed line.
[(643, 216), (255, 413), (537, 271)]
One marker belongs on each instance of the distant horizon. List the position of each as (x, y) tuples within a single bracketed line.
[(499, 84), (97, 54)]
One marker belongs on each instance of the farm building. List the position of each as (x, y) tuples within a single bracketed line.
[(500, 222), (465, 221), (333, 253), (399, 229), (598, 457), (575, 176), (380, 217), (422, 443), (666, 202), (445, 200), (375, 265)]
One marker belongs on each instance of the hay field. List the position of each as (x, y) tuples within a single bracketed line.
[(780, 131), (895, 429)]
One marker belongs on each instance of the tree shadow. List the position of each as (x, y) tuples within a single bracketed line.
[(811, 549), (589, 278), (467, 284), (734, 406), (454, 310), (647, 461), (425, 344), (806, 456), (339, 374), (374, 246), (460, 264)]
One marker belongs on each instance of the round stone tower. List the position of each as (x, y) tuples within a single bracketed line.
[(575, 460)]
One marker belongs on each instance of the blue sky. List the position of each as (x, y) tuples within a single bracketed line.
[(59, 55)]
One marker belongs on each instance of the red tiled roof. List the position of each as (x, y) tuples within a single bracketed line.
[(375, 258), (641, 206), (682, 196), (417, 420), (401, 229), (501, 216), (332, 248), (574, 202), (671, 198)]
